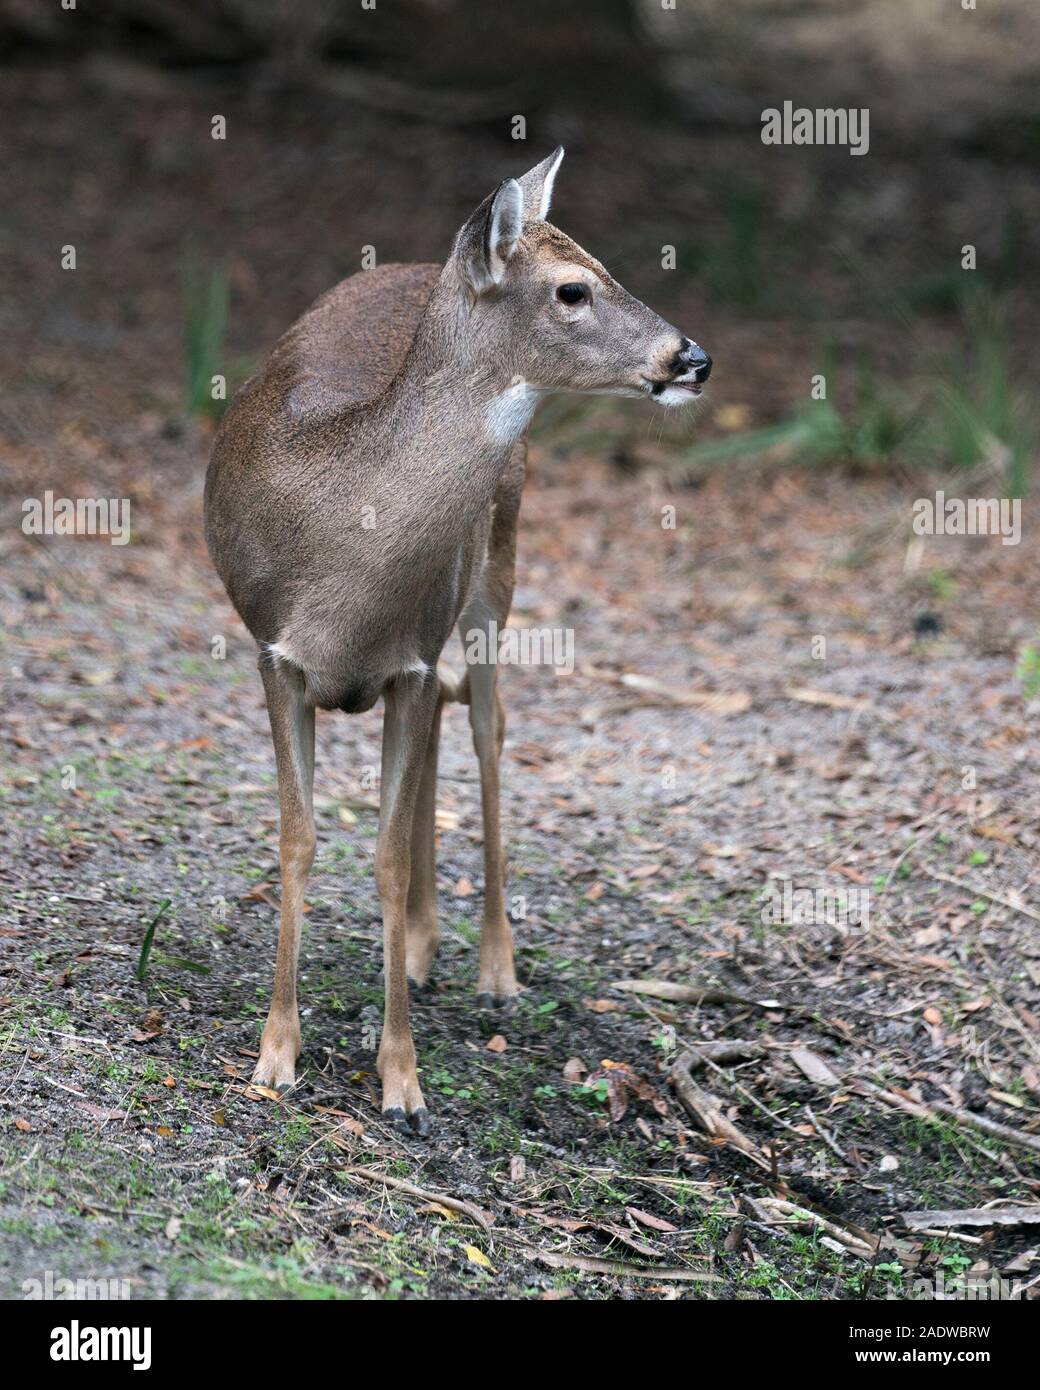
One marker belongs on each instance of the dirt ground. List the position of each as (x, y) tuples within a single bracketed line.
[(705, 747)]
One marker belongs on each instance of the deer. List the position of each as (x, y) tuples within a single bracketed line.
[(361, 503)]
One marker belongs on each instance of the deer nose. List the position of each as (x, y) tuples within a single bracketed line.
[(692, 357)]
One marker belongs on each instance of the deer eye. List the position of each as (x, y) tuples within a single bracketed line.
[(572, 294)]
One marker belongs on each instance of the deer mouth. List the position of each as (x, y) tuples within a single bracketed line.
[(688, 385)]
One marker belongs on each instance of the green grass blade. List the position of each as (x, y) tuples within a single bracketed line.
[(149, 936)]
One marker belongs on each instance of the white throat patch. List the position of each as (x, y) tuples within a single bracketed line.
[(509, 413)]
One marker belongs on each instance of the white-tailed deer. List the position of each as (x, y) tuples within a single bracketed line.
[(362, 499)]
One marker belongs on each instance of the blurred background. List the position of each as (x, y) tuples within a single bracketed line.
[(349, 126)]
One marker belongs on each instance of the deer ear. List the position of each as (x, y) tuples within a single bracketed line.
[(486, 242), (537, 186)]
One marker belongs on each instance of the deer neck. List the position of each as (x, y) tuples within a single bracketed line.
[(454, 397)]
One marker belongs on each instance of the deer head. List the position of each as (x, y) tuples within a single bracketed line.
[(547, 316)]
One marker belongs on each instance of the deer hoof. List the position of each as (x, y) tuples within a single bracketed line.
[(275, 1072), (505, 1002), (279, 1048), (417, 1124)]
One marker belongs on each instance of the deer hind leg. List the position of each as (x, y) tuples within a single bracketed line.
[(411, 707), (292, 728), (422, 932)]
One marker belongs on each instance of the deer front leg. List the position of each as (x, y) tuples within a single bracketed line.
[(292, 728), (497, 982), (411, 706)]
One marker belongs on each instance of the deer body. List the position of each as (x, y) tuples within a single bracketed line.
[(378, 543), (362, 499)]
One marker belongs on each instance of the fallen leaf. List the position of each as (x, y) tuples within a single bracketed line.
[(261, 893), (602, 1006), (621, 1080), (656, 1223), (478, 1257), (446, 1212), (1006, 1098), (99, 1112), (852, 874), (996, 832), (253, 1092), (645, 871), (497, 1043), (376, 1230), (814, 1067), (100, 677), (23, 1125), (715, 701), (1021, 1264), (808, 696)]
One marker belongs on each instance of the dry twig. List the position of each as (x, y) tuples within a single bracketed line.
[(936, 1108), (409, 1189), (972, 1216), (705, 1110)]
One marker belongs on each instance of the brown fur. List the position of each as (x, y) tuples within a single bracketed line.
[(361, 499)]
